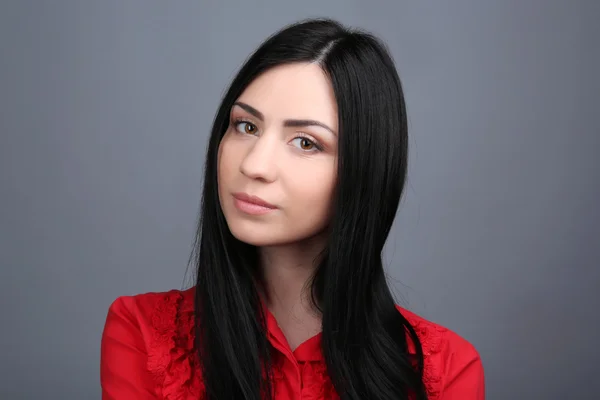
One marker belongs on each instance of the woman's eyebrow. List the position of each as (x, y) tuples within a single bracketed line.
[(294, 123), (250, 110), (299, 123)]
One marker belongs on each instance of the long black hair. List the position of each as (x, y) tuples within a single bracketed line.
[(364, 337)]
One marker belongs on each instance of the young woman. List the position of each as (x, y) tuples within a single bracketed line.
[(304, 172)]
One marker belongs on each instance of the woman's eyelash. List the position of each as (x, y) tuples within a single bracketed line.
[(240, 120), (237, 121), (310, 139)]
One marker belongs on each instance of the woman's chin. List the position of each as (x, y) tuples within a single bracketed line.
[(263, 236), (255, 236)]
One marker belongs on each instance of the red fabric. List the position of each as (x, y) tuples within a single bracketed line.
[(148, 353)]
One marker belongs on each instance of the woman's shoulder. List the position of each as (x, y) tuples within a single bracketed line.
[(433, 336), (156, 312), (160, 326), (165, 321), (452, 365), (146, 306)]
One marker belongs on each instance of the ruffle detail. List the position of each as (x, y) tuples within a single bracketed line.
[(277, 376), (317, 385), (431, 337), (172, 358)]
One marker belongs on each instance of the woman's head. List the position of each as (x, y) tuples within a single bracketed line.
[(280, 146), (314, 124)]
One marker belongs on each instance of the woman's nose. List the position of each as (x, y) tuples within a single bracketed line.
[(260, 160)]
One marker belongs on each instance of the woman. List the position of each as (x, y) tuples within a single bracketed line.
[(305, 168)]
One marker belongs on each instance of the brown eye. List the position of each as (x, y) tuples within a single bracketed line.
[(305, 144), (246, 127)]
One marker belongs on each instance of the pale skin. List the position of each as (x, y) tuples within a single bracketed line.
[(281, 146)]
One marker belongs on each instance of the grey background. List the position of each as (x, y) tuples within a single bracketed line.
[(105, 109)]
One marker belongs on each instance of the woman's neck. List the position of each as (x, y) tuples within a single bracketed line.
[(286, 272)]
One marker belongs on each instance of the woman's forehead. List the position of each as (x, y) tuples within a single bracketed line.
[(299, 91)]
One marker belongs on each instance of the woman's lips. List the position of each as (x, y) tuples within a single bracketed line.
[(251, 204)]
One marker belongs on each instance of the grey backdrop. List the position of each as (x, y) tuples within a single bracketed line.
[(105, 109)]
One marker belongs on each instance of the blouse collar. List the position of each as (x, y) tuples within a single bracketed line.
[(309, 350)]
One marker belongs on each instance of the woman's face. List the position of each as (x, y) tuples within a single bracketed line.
[(277, 160)]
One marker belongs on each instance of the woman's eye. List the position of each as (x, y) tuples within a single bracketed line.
[(246, 127), (304, 144)]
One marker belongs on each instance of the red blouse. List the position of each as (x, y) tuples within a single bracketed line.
[(148, 353)]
